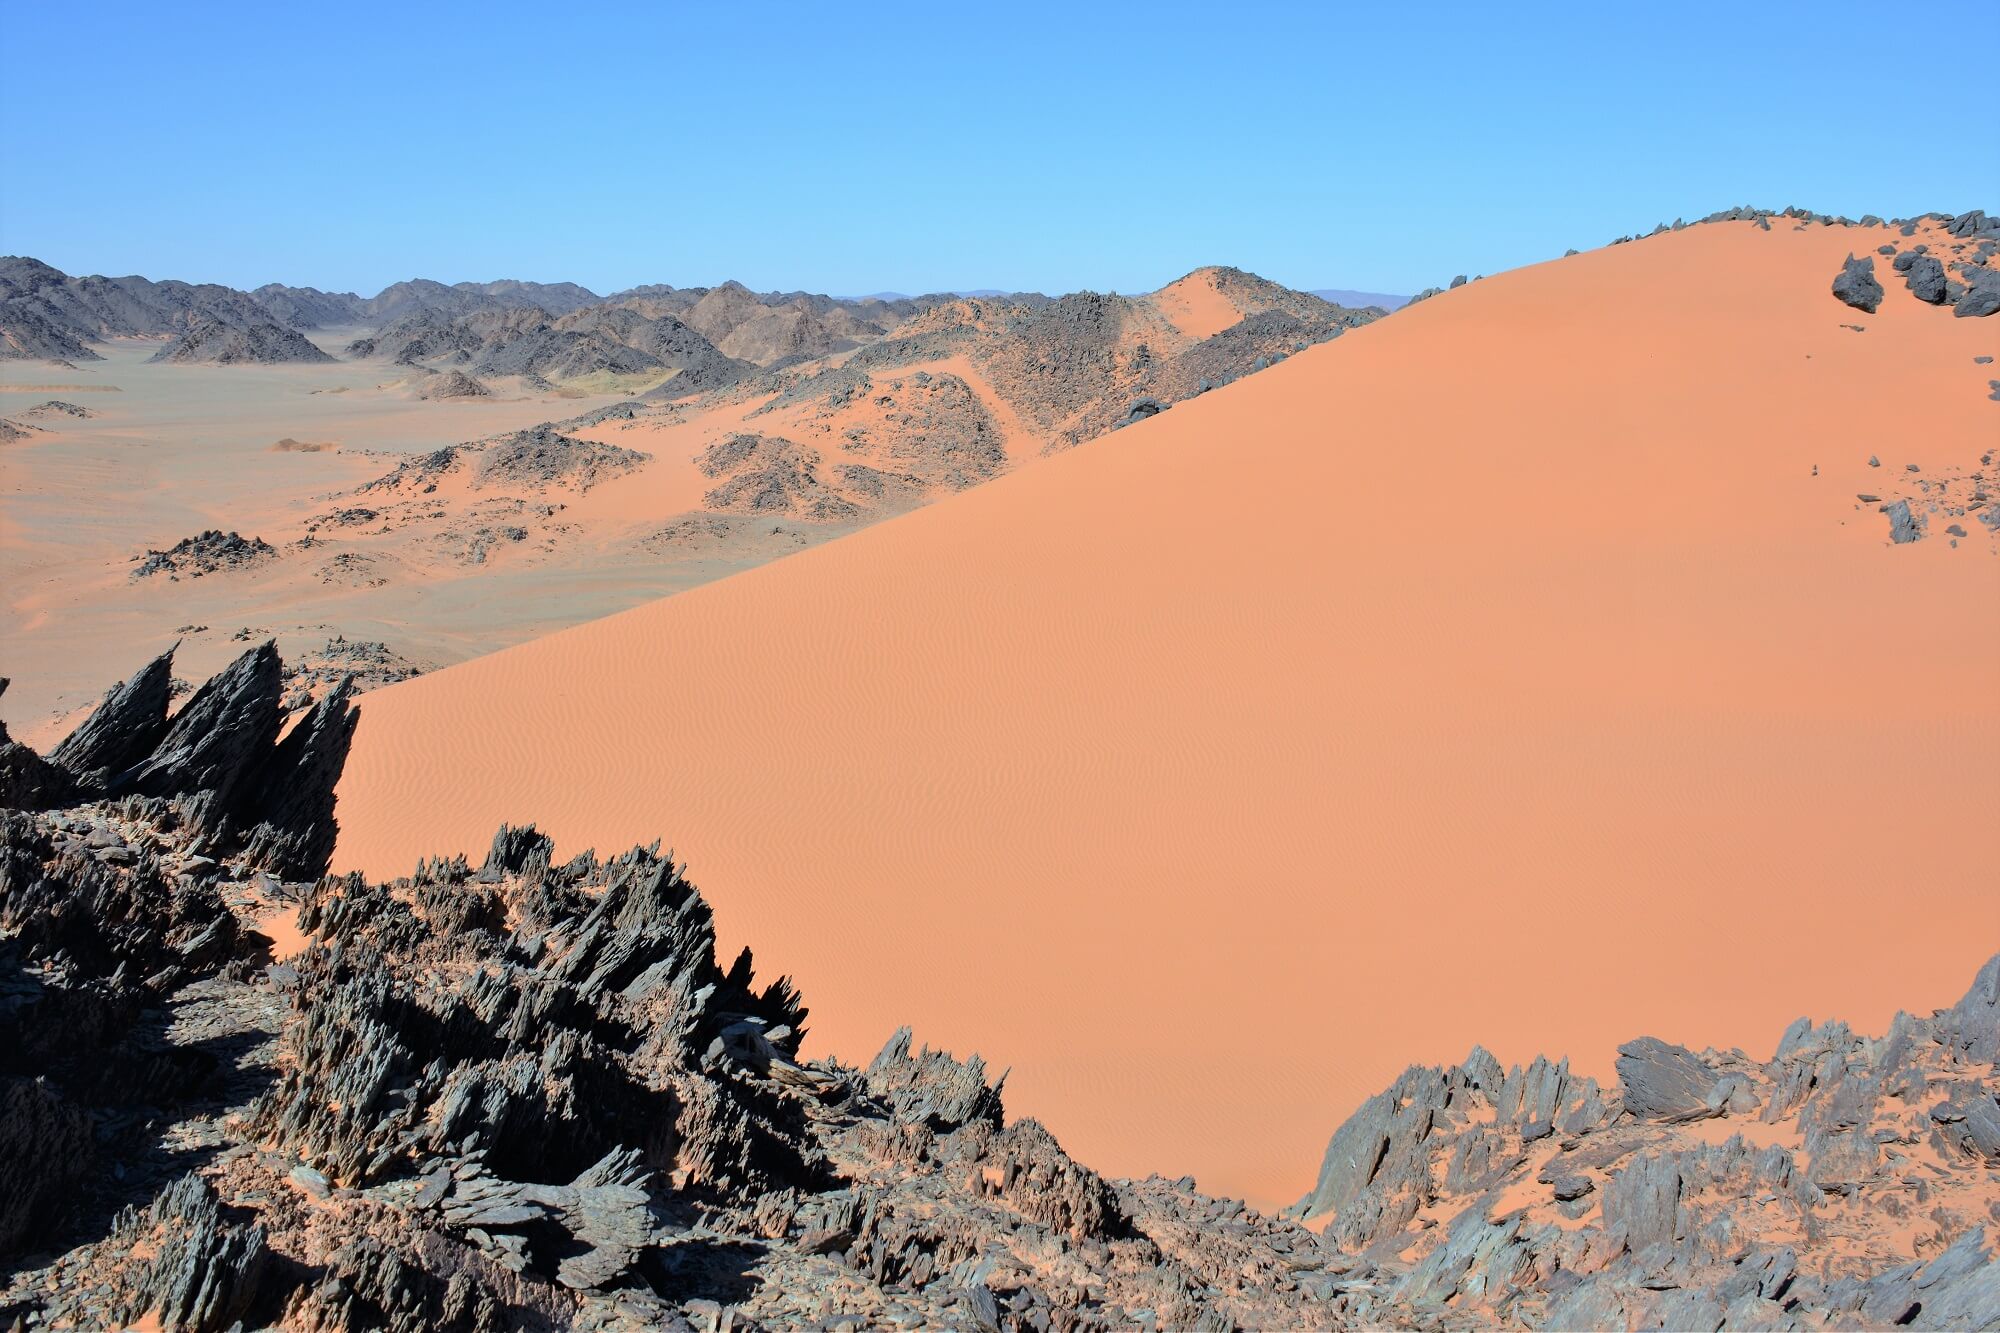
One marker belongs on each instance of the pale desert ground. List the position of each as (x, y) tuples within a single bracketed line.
[(174, 450), (1521, 669)]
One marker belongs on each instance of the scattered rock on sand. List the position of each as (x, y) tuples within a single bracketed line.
[(1857, 286), (1903, 526), (11, 431)]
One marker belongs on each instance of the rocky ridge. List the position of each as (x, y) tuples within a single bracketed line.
[(528, 1094)]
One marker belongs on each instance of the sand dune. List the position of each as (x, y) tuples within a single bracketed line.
[(1499, 672), (1196, 306)]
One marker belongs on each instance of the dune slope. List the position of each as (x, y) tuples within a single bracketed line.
[(1500, 672)]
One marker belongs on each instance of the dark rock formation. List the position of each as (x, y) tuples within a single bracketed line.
[(1925, 277), (124, 729), (27, 781), (344, 663), (1856, 284), (200, 1273), (1981, 298), (217, 736), (48, 314), (207, 552)]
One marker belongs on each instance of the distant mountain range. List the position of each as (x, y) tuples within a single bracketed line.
[(1342, 296), (704, 337)]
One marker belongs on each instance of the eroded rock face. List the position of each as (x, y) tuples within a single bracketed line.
[(528, 1094), (233, 786)]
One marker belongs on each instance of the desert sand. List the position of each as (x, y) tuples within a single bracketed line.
[(1522, 669), (1196, 304)]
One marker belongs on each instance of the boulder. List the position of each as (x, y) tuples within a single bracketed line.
[(1856, 284)]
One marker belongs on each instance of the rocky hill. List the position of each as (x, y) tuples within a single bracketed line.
[(619, 341), (48, 315), (529, 1094), (465, 298), (309, 307), (211, 340)]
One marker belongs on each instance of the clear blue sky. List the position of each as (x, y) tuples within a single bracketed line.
[(853, 148)]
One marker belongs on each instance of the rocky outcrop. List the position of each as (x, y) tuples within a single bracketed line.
[(56, 407), (768, 474), (1661, 1081), (627, 340), (209, 552), (199, 1273), (1708, 1190), (451, 384), (235, 786), (355, 664), (542, 457), (217, 737)]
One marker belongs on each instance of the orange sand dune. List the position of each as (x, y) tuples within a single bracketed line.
[(1500, 672)]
